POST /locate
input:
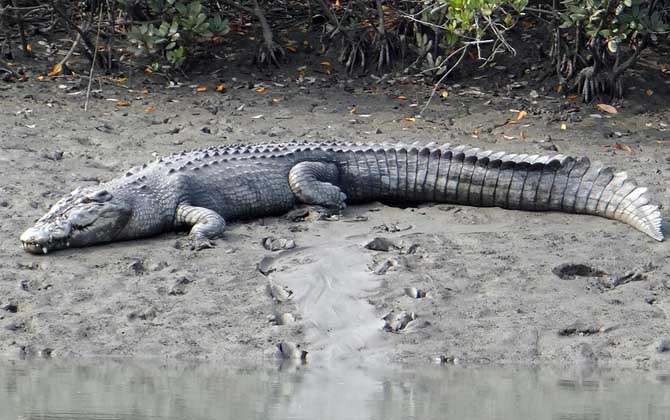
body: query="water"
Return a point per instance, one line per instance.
(128, 390)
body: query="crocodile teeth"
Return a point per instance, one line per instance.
(45, 250)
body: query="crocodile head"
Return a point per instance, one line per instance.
(84, 217)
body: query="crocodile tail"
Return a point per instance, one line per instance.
(474, 177)
(567, 184)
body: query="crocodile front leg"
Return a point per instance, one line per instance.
(314, 183)
(205, 225)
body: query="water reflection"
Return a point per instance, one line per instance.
(149, 390)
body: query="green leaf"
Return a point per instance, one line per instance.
(612, 45)
(181, 9)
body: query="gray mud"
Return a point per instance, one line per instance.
(492, 296)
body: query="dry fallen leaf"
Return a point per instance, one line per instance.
(40, 77)
(276, 100)
(145, 91)
(220, 88)
(353, 109)
(260, 89)
(150, 108)
(522, 135)
(148, 70)
(521, 115)
(291, 49)
(201, 88)
(572, 97)
(29, 48)
(559, 88)
(409, 119)
(326, 63)
(58, 68)
(649, 92)
(607, 108)
(401, 97)
(564, 127)
(444, 93)
(120, 80)
(627, 148)
(122, 103)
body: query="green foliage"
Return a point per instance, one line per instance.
(183, 28)
(446, 25)
(613, 22)
(470, 18)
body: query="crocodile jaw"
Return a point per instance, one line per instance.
(84, 217)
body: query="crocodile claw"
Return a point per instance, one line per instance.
(198, 244)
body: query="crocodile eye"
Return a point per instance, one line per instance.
(99, 196)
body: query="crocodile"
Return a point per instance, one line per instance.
(202, 189)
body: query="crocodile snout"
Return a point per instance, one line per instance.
(40, 239)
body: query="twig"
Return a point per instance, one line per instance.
(111, 9)
(439, 82)
(87, 42)
(22, 28)
(95, 54)
(72, 48)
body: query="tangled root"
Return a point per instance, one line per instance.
(591, 83)
(269, 53)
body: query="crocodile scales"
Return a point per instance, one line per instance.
(202, 189)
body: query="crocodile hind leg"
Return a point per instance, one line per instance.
(314, 183)
(205, 225)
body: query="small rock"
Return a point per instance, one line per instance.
(45, 352)
(381, 244)
(445, 359)
(15, 326)
(415, 293)
(144, 315)
(393, 228)
(412, 249)
(10, 307)
(286, 318)
(288, 350)
(136, 267)
(277, 244)
(278, 293)
(663, 345)
(56, 155)
(396, 322)
(179, 287)
(385, 266)
(569, 271)
(650, 300)
(579, 328)
(4, 203)
(265, 265)
(24, 285)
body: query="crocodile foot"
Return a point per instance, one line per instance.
(200, 243)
